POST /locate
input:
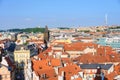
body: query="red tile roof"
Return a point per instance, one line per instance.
(78, 79)
(53, 78)
(69, 71)
(79, 46)
(43, 67)
(111, 76)
(55, 62)
(117, 69)
(90, 58)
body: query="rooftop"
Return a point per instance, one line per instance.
(95, 66)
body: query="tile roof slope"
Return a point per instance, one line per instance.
(79, 46)
(90, 58)
(40, 64)
(117, 69)
(70, 70)
(55, 62)
(111, 76)
(66, 60)
(53, 78)
(44, 54)
(104, 50)
(42, 67)
(78, 79)
(50, 72)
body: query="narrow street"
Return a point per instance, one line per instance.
(19, 74)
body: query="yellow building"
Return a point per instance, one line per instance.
(21, 54)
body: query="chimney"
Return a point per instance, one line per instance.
(56, 70)
(105, 63)
(54, 56)
(61, 77)
(62, 73)
(98, 46)
(43, 76)
(93, 53)
(49, 63)
(65, 64)
(39, 58)
(22, 48)
(36, 57)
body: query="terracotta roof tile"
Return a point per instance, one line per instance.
(111, 76)
(90, 58)
(117, 69)
(69, 70)
(43, 67)
(78, 79)
(55, 62)
(53, 78)
(79, 46)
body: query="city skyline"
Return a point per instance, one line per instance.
(54, 13)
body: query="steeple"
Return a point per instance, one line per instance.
(46, 34)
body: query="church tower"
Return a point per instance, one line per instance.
(46, 36)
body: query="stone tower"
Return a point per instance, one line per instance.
(46, 34)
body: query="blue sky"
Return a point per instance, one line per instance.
(58, 13)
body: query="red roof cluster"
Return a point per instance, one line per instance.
(46, 64)
(90, 58)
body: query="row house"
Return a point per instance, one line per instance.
(91, 71)
(7, 69)
(78, 48)
(73, 50)
(21, 55)
(54, 69)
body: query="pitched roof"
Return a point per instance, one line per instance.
(117, 68)
(79, 46)
(111, 76)
(69, 70)
(42, 67)
(90, 58)
(55, 62)
(95, 66)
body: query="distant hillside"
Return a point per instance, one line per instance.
(63, 28)
(35, 30)
(1, 30)
(117, 27)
